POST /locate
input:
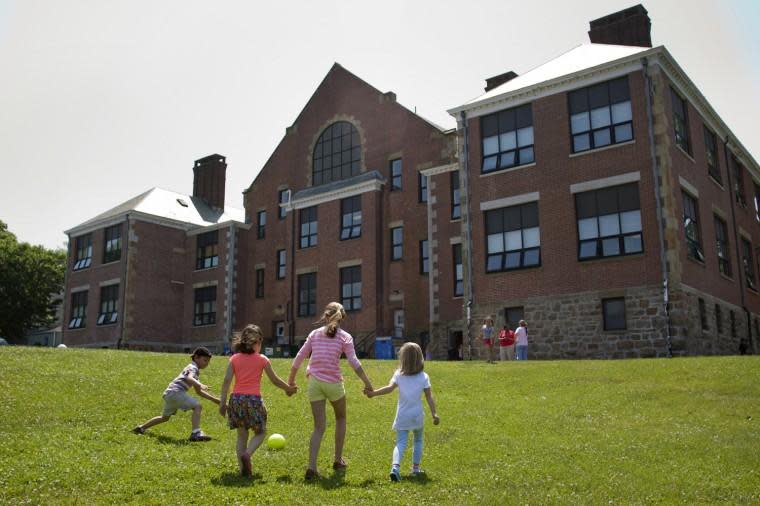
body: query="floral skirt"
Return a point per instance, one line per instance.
(247, 411)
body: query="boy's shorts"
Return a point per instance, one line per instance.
(318, 390)
(178, 400)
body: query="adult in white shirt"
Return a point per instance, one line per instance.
(521, 336)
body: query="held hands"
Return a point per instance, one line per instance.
(369, 392)
(290, 390)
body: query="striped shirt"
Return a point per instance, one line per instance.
(325, 352)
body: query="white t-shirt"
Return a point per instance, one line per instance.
(521, 334)
(409, 412)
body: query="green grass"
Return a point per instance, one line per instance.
(581, 432)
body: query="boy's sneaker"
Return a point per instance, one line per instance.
(394, 475)
(138, 430)
(418, 473)
(199, 436)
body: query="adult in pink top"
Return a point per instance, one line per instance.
(325, 381)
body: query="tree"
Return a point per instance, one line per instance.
(31, 277)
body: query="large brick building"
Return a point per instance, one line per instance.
(598, 196)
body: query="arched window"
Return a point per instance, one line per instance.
(337, 154)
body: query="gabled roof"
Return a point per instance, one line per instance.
(166, 205)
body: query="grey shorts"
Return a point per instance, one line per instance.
(178, 400)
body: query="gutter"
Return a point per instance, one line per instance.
(464, 189)
(231, 258)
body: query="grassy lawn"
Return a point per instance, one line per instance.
(568, 432)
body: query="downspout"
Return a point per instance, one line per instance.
(290, 305)
(66, 299)
(231, 257)
(656, 175)
(125, 272)
(464, 184)
(737, 242)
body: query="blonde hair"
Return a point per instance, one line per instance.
(331, 317)
(245, 341)
(410, 359)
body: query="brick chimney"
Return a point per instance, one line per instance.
(629, 27)
(493, 82)
(209, 177)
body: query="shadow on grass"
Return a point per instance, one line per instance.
(420, 479)
(168, 440)
(235, 480)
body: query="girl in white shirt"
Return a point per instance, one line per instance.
(410, 416)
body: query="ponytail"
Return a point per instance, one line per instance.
(331, 318)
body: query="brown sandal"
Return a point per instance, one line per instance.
(312, 475)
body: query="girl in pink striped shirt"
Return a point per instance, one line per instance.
(325, 381)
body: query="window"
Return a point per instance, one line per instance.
(721, 238)
(732, 318)
(283, 197)
(207, 255)
(600, 115)
(691, 227)
(680, 121)
(757, 202)
(78, 310)
(749, 269)
(307, 294)
(718, 319)
(337, 154)
(614, 313)
(609, 222)
(424, 257)
(738, 172)
(703, 314)
(396, 174)
(205, 306)
(422, 184)
(456, 201)
(351, 217)
(351, 288)
(397, 243)
(261, 223)
(109, 302)
(512, 238)
(711, 154)
(112, 244)
(259, 283)
(84, 252)
(507, 138)
(308, 227)
(281, 269)
(458, 272)
(513, 315)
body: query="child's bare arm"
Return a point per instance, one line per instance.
(431, 405)
(208, 396)
(363, 376)
(225, 389)
(390, 387)
(277, 381)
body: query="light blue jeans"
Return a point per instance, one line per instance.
(522, 352)
(402, 437)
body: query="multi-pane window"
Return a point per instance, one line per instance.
(84, 252)
(680, 121)
(691, 227)
(205, 306)
(351, 288)
(307, 294)
(749, 266)
(78, 310)
(458, 271)
(337, 154)
(718, 319)
(609, 222)
(261, 224)
(600, 115)
(397, 243)
(281, 268)
(613, 311)
(721, 238)
(283, 197)
(395, 174)
(703, 314)
(112, 244)
(259, 283)
(207, 251)
(507, 138)
(424, 257)
(738, 173)
(351, 217)
(109, 305)
(456, 197)
(513, 238)
(711, 154)
(422, 183)
(308, 220)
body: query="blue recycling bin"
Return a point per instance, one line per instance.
(383, 348)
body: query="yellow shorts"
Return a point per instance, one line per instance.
(320, 390)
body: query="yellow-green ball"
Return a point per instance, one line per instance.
(276, 442)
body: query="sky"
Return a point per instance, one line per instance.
(102, 100)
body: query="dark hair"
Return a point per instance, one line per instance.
(245, 341)
(201, 351)
(331, 317)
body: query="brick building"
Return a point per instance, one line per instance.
(598, 196)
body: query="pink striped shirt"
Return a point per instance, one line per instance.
(325, 351)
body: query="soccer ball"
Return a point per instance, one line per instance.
(276, 442)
